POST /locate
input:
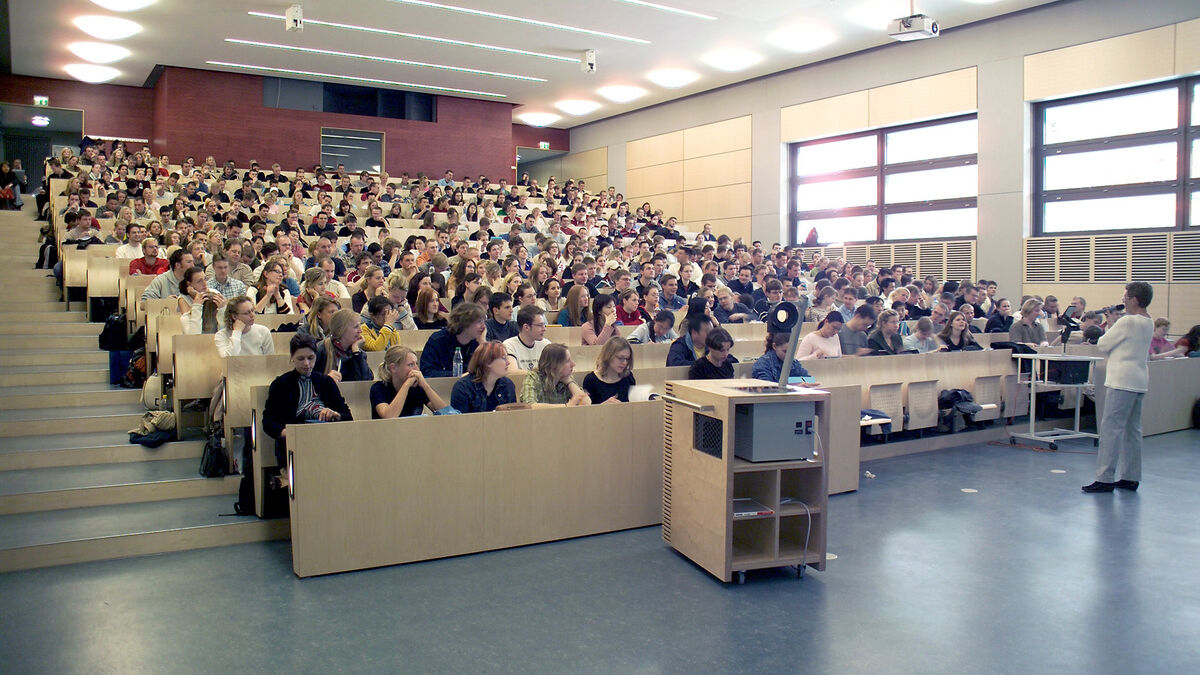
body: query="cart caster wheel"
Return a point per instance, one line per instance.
(1054, 446)
(739, 578)
(800, 571)
(1095, 442)
(1012, 441)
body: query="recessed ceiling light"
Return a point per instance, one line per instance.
(731, 59)
(352, 78)
(123, 5)
(577, 107)
(876, 14)
(106, 27)
(383, 59)
(621, 93)
(673, 10)
(98, 52)
(672, 78)
(308, 21)
(803, 37)
(40, 121)
(536, 119)
(520, 19)
(90, 72)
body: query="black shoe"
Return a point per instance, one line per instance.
(1099, 487)
(1126, 485)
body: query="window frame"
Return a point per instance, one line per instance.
(1182, 185)
(880, 209)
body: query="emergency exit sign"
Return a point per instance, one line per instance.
(41, 101)
(544, 145)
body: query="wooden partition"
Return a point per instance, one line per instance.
(469, 483)
(104, 276)
(1167, 406)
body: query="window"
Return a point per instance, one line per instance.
(347, 99)
(1123, 160)
(918, 181)
(358, 150)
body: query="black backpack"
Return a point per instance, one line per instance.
(135, 375)
(1196, 414)
(214, 463)
(113, 337)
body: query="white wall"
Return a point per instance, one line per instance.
(997, 48)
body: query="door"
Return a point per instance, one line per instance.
(32, 151)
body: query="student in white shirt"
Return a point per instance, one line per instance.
(1127, 343)
(132, 249)
(525, 348)
(240, 335)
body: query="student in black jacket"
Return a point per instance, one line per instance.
(464, 329)
(717, 362)
(300, 396)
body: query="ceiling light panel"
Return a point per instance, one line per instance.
(90, 72)
(123, 5)
(40, 121)
(673, 10)
(802, 37)
(731, 59)
(621, 93)
(428, 38)
(519, 19)
(383, 59)
(577, 107)
(672, 78)
(536, 119)
(98, 52)
(351, 78)
(106, 27)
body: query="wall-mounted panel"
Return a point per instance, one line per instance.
(727, 168)
(1103, 64)
(734, 227)
(588, 163)
(941, 95)
(657, 179)
(654, 150)
(1187, 47)
(728, 201)
(716, 138)
(671, 203)
(825, 117)
(595, 184)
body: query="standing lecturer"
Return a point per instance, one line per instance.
(1127, 343)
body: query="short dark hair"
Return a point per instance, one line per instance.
(377, 304)
(1141, 291)
(695, 321)
(498, 299)
(177, 257)
(865, 311)
(301, 341)
(717, 338)
(527, 314)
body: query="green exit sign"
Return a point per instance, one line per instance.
(41, 101)
(544, 145)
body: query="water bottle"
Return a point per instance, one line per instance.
(458, 363)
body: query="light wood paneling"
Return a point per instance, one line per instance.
(734, 227)
(1187, 47)
(825, 117)
(655, 180)
(727, 168)
(728, 201)
(670, 203)
(941, 95)
(1103, 64)
(717, 138)
(589, 163)
(654, 150)
(595, 183)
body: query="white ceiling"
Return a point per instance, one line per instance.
(190, 33)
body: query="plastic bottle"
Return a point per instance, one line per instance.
(458, 363)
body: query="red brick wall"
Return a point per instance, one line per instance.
(109, 110)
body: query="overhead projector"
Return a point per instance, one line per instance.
(915, 27)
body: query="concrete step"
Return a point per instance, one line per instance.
(66, 395)
(19, 376)
(48, 538)
(51, 489)
(63, 342)
(49, 328)
(76, 315)
(37, 306)
(121, 417)
(49, 357)
(75, 449)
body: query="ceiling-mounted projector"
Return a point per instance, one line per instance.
(915, 27)
(293, 19)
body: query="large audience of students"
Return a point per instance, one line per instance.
(231, 244)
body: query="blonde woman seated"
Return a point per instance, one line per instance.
(603, 324)
(240, 336)
(402, 391)
(341, 355)
(378, 334)
(370, 286)
(312, 287)
(316, 321)
(613, 376)
(885, 339)
(551, 383)
(200, 309)
(1029, 330)
(270, 295)
(822, 343)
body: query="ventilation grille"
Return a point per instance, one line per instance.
(835, 252)
(856, 255)
(1185, 257)
(881, 254)
(668, 460)
(931, 260)
(1149, 257)
(1075, 259)
(1040, 260)
(945, 260)
(960, 260)
(1110, 258)
(905, 254)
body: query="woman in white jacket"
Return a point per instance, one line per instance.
(1127, 377)
(240, 335)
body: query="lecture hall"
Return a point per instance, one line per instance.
(609, 336)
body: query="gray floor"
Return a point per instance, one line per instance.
(1027, 575)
